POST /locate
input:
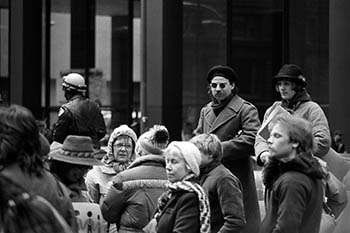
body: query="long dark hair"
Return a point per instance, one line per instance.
(19, 139)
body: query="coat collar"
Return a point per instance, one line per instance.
(225, 115)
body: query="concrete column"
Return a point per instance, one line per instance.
(122, 89)
(26, 54)
(83, 37)
(163, 64)
(339, 67)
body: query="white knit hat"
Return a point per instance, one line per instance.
(190, 153)
(154, 141)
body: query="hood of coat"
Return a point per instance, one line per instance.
(148, 159)
(303, 163)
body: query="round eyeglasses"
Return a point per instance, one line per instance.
(221, 85)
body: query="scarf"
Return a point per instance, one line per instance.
(204, 171)
(219, 106)
(299, 97)
(109, 161)
(189, 186)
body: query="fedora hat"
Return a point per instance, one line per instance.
(75, 150)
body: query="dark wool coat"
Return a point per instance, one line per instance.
(47, 186)
(180, 214)
(236, 126)
(132, 199)
(294, 196)
(224, 191)
(80, 116)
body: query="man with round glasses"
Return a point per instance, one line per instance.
(235, 121)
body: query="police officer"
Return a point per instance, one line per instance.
(79, 116)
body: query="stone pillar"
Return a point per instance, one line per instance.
(26, 54)
(83, 36)
(163, 64)
(339, 63)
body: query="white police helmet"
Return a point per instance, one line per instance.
(74, 81)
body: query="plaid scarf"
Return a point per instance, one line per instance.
(189, 186)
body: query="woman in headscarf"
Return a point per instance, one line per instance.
(184, 207)
(132, 200)
(120, 154)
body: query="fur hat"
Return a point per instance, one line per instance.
(154, 141)
(224, 71)
(291, 72)
(190, 153)
(75, 149)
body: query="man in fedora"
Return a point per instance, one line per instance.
(71, 161)
(235, 121)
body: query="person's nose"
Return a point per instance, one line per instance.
(269, 140)
(218, 88)
(282, 86)
(168, 167)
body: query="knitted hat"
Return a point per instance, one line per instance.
(122, 130)
(190, 153)
(291, 72)
(224, 71)
(76, 150)
(154, 141)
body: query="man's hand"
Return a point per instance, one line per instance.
(264, 157)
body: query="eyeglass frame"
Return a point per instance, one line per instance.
(121, 145)
(221, 85)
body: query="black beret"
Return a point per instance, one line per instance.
(224, 71)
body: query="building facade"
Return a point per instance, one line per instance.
(145, 61)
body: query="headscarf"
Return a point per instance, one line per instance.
(109, 160)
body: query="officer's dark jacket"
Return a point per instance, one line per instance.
(80, 116)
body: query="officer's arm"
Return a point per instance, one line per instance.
(101, 127)
(61, 128)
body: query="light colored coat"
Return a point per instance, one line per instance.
(312, 112)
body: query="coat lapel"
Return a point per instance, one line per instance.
(225, 115)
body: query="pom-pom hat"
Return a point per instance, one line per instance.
(154, 141)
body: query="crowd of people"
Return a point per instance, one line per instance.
(154, 185)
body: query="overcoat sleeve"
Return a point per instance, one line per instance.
(113, 205)
(242, 144)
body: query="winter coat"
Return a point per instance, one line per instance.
(180, 214)
(310, 111)
(80, 116)
(47, 186)
(132, 199)
(294, 196)
(236, 126)
(224, 191)
(97, 182)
